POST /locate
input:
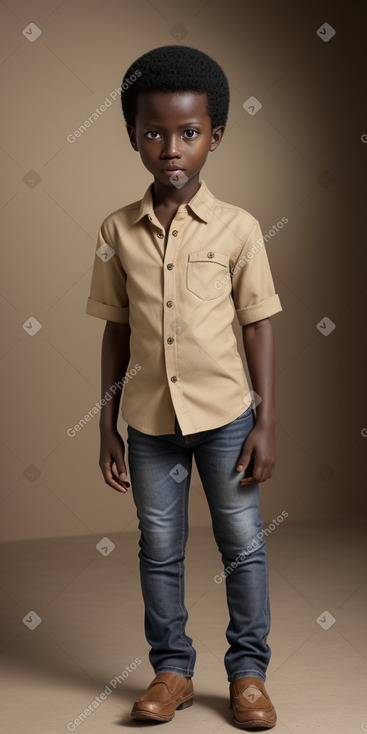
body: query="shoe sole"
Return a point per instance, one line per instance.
(254, 724)
(140, 715)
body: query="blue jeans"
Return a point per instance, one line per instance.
(160, 472)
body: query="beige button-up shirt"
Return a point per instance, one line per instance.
(180, 294)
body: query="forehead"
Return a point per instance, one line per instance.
(162, 105)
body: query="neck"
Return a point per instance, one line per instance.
(170, 197)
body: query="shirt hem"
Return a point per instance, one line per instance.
(151, 432)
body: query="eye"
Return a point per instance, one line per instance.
(152, 133)
(191, 133)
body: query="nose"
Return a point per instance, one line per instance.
(171, 148)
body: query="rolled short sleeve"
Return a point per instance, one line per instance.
(253, 289)
(108, 297)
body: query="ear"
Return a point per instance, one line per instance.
(217, 134)
(131, 133)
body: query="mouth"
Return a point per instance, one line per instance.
(172, 171)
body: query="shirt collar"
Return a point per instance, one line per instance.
(201, 203)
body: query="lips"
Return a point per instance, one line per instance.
(173, 171)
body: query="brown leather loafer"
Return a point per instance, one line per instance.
(251, 704)
(166, 693)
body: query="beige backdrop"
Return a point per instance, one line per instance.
(301, 156)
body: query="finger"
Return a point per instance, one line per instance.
(260, 474)
(119, 472)
(243, 461)
(112, 480)
(256, 475)
(266, 471)
(248, 480)
(115, 485)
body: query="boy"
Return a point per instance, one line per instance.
(171, 271)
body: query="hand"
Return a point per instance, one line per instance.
(111, 460)
(260, 442)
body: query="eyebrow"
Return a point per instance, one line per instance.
(184, 126)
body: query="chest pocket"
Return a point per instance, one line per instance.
(208, 274)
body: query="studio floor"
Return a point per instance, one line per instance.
(72, 633)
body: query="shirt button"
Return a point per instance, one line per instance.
(170, 340)
(169, 304)
(174, 378)
(170, 266)
(175, 233)
(210, 254)
(160, 235)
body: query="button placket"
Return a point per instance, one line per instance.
(170, 310)
(157, 233)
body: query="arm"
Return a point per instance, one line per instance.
(259, 348)
(115, 359)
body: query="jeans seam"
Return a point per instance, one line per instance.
(181, 566)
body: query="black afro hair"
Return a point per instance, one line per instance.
(176, 69)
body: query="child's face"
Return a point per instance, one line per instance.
(173, 131)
